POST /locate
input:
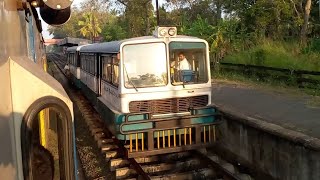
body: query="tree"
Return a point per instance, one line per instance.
(139, 17)
(113, 29)
(90, 26)
(306, 15)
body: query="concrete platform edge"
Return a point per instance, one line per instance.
(277, 130)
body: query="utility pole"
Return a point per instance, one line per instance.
(158, 18)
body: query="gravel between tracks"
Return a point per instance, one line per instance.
(92, 161)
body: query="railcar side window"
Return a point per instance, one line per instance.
(73, 59)
(91, 64)
(88, 63)
(188, 63)
(145, 65)
(83, 62)
(106, 71)
(115, 71)
(110, 69)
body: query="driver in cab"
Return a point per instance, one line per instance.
(182, 64)
(177, 66)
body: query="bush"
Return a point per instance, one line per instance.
(285, 55)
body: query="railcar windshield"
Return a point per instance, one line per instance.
(188, 63)
(145, 65)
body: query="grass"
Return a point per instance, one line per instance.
(287, 55)
(269, 53)
(254, 80)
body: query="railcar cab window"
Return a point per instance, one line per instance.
(145, 65)
(110, 69)
(188, 63)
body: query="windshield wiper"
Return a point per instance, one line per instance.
(125, 69)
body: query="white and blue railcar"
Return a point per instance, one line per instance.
(145, 99)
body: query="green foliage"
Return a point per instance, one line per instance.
(277, 54)
(90, 26)
(259, 32)
(313, 46)
(113, 31)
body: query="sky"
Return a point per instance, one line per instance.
(45, 32)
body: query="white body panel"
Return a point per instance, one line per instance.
(75, 71)
(154, 94)
(27, 75)
(78, 73)
(111, 95)
(89, 80)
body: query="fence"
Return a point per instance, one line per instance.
(302, 78)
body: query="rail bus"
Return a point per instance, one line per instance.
(148, 99)
(73, 63)
(36, 114)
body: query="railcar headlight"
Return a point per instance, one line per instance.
(162, 32)
(165, 32)
(172, 31)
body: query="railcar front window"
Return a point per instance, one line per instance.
(188, 63)
(145, 65)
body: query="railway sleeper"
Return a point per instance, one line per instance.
(120, 162)
(158, 168)
(198, 174)
(108, 147)
(111, 154)
(102, 141)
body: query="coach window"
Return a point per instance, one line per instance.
(107, 71)
(115, 71)
(73, 59)
(83, 62)
(87, 63)
(91, 64)
(87, 67)
(69, 58)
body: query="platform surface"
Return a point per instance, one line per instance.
(288, 108)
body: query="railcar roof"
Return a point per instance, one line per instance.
(76, 48)
(71, 49)
(114, 46)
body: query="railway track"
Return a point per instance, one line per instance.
(198, 164)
